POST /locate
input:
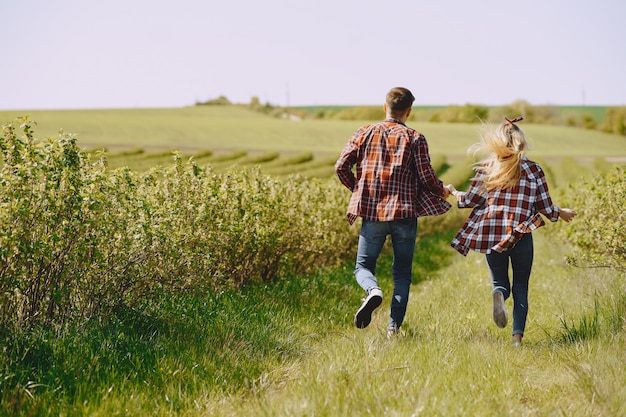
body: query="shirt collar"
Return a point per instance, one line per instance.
(391, 119)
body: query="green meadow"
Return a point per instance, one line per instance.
(228, 128)
(289, 347)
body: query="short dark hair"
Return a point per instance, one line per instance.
(399, 99)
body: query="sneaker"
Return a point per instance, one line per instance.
(363, 316)
(499, 309)
(392, 332)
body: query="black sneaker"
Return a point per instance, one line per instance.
(363, 316)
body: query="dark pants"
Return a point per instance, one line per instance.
(521, 257)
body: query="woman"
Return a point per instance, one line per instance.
(507, 195)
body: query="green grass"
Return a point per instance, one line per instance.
(185, 350)
(598, 112)
(451, 360)
(217, 128)
(293, 350)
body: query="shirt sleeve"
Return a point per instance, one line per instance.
(544, 202)
(426, 175)
(347, 159)
(473, 197)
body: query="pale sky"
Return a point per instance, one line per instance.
(68, 54)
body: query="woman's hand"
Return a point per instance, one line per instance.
(567, 214)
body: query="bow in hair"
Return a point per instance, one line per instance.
(517, 119)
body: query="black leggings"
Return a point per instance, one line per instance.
(521, 256)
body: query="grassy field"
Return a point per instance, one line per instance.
(292, 349)
(451, 360)
(226, 129)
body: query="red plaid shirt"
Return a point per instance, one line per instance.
(501, 217)
(394, 179)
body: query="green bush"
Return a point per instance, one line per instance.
(598, 232)
(78, 240)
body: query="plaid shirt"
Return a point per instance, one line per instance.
(394, 179)
(501, 217)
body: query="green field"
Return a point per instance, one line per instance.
(288, 347)
(224, 129)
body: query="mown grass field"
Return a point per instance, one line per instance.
(292, 349)
(219, 129)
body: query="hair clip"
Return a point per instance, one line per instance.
(517, 119)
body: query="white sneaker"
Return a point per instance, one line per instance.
(499, 309)
(363, 316)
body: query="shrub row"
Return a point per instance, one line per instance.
(78, 240)
(598, 232)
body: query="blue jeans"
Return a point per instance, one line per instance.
(521, 257)
(371, 240)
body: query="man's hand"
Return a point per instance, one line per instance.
(451, 190)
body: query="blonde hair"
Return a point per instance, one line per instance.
(506, 146)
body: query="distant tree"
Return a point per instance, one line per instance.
(615, 120)
(584, 120)
(469, 113)
(473, 113)
(530, 113)
(450, 114)
(255, 103)
(360, 113)
(517, 108)
(220, 101)
(589, 122)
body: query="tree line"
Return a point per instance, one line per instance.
(610, 120)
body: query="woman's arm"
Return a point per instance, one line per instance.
(470, 199)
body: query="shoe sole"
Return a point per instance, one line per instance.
(363, 317)
(499, 310)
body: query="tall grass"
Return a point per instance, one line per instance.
(292, 350)
(451, 360)
(175, 352)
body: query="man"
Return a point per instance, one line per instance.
(394, 185)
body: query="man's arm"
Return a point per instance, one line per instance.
(343, 166)
(426, 175)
